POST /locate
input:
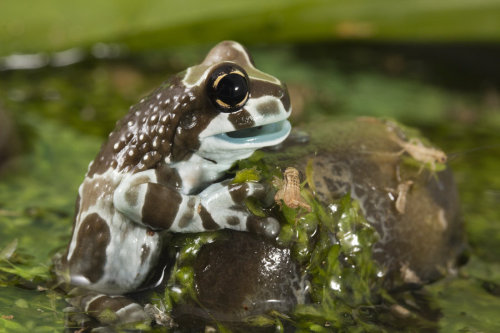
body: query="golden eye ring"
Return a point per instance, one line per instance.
(228, 87)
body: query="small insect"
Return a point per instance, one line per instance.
(402, 191)
(416, 149)
(413, 147)
(289, 190)
(408, 275)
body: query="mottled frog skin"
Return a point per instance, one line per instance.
(159, 170)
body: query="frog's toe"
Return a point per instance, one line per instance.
(266, 226)
(262, 192)
(241, 191)
(132, 313)
(269, 198)
(108, 309)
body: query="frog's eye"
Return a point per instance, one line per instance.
(228, 87)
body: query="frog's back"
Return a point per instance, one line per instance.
(140, 143)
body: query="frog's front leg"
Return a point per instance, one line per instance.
(219, 206)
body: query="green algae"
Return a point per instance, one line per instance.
(37, 204)
(180, 286)
(344, 278)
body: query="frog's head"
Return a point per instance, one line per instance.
(236, 108)
(219, 111)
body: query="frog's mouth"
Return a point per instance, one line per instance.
(264, 135)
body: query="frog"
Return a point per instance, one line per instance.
(163, 170)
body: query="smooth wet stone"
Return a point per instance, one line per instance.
(419, 241)
(241, 275)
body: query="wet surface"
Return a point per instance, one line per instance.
(241, 275)
(420, 229)
(418, 239)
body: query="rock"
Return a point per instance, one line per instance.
(419, 239)
(412, 205)
(242, 274)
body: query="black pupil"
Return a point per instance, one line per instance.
(232, 89)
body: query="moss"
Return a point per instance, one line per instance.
(343, 276)
(247, 175)
(332, 244)
(180, 286)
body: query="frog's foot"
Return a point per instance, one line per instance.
(266, 226)
(236, 215)
(109, 309)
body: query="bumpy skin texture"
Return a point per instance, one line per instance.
(158, 172)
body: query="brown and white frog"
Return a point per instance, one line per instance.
(160, 171)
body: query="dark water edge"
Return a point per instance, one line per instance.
(449, 91)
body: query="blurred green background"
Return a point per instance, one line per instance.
(70, 69)
(50, 25)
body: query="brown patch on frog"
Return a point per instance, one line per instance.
(226, 51)
(196, 115)
(124, 150)
(232, 220)
(64, 259)
(89, 256)
(239, 208)
(238, 192)
(207, 219)
(285, 99)
(168, 177)
(107, 156)
(269, 107)
(132, 195)
(241, 119)
(187, 217)
(94, 190)
(145, 250)
(261, 88)
(104, 302)
(255, 224)
(161, 205)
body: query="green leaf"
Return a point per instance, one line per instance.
(247, 175)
